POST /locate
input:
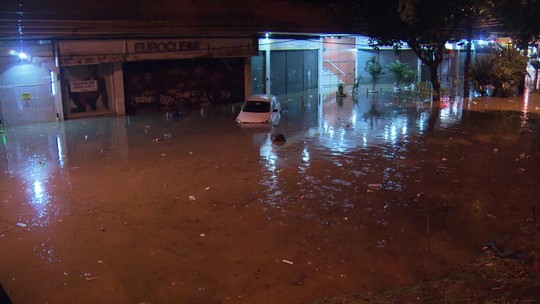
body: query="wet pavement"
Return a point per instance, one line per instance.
(362, 196)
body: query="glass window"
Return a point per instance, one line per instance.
(256, 106)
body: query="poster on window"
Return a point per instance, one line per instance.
(87, 89)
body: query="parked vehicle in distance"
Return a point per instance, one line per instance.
(260, 109)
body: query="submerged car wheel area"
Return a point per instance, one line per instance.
(260, 109)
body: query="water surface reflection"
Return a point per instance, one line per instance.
(195, 209)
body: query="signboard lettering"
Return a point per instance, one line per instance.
(83, 86)
(166, 46)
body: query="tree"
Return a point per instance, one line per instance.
(478, 11)
(521, 19)
(374, 68)
(401, 72)
(425, 25)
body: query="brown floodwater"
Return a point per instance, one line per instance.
(363, 196)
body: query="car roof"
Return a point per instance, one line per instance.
(261, 97)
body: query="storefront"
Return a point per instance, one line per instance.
(27, 83)
(183, 83)
(123, 76)
(70, 79)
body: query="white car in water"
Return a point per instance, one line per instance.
(260, 109)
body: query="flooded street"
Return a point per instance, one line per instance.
(362, 196)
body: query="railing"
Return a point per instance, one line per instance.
(334, 66)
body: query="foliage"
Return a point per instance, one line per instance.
(401, 72)
(504, 69)
(375, 69)
(341, 86)
(482, 72)
(424, 25)
(409, 76)
(521, 19)
(423, 90)
(356, 87)
(510, 70)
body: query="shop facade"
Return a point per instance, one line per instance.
(69, 79)
(28, 83)
(127, 76)
(85, 78)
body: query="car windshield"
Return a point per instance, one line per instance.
(256, 106)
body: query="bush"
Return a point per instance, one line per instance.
(504, 69)
(401, 72)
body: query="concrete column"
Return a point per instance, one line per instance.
(248, 80)
(266, 48)
(118, 89)
(57, 96)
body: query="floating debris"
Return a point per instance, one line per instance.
(175, 114)
(278, 137)
(375, 186)
(91, 278)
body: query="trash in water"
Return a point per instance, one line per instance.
(21, 224)
(287, 262)
(192, 198)
(175, 114)
(88, 276)
(278, 137)
(158, 139)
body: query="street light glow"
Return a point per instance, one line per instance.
(21, 55)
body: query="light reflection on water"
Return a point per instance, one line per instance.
(353, 140)
(346, 170)
(364, 133)
(33, 155)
